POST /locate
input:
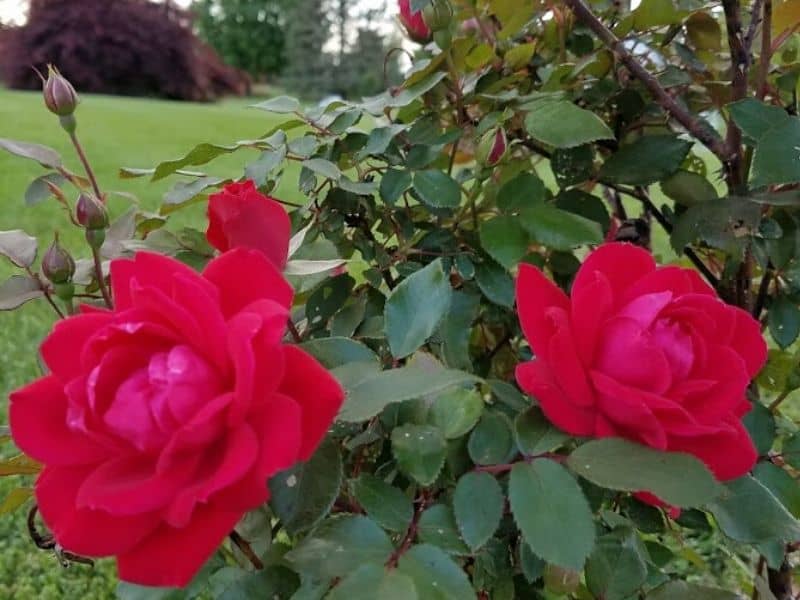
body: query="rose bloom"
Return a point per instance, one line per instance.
(414, 23)
(161, 421)
(241, 216)
(641, 352)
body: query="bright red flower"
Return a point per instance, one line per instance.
(241, 216)
(413, 22)
(161, 421)
(642, 352)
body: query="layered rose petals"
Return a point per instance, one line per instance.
(241, 217)
(642, 352)
(161, 421)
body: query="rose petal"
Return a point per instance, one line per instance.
(171, 557)
(729, 453)
(61, 350)
(316, 391)
(535, 294)
(566, 366)
(536, 379)
(591, 307)
(38, 417)
(621, 263)
(748, 341)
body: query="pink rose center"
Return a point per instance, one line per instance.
(153, 401)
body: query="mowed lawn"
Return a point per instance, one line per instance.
(116, 132)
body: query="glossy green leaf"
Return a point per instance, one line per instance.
(420, 451)
(559, 229)
(478, 504)
(333, 352)
(564, 125)
(437, 526)
(456, 412)
(385, 504)
(535, 434)
(552, 513)
(504, 239)
(435, 575)
(677, 478)
(784, 321)
(437, 189)
(646, 160)
(616, 568)
(371, 581)
(415, 308)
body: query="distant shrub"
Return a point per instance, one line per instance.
(125, 47)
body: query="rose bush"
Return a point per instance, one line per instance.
(644, 353)
(161, 421)
(536, 285)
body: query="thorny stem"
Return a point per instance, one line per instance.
(766, 50)
(777, 402)
(46, 293)
(701, 132)
(411, 533)
(246, 549)
(298, 339)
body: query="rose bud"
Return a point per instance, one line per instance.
(59, 95)
(90, 212)
(413, 23)
(57, 265)
(437, 15)
(492, 147)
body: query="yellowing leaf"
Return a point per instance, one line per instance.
(15, 499)
(704, 31)
(19, 465)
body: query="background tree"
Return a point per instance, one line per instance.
(248, 34)
(309, 69)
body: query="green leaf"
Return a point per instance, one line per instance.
(437, 189)
(456, 328)
(688, 188)
(14, 499)
(784, 321)
(495, 283)
(415, 308)
(552, 513)
(720, 223)
(420, 451)
(435, 575)
(279, 105)
(755, 118)
(535, 434)
(504, 239)
(526, 189)
(303, 495)
(384, 503)
(199, 155)
(791, 450)
(776, 157)
(760, 424)
(47, 157)
(748, 512)
(369, 395)
(565, 125)
(259, 169)
(491, 442)
(617, 464)
(339, 546)
(437, 526)
(655, 13)
(184, 192)
(393, 183)
(17, 290)
(379, 140)
(532, 566)
(18, 247)
(572, 165)
(673, 590)
(323, 167)
(478, 504)
(456, 412)
(370, 581)
(782, 485)
(559, 229)
(131, 591)
(333, 352)
(646, 160)
(616, 567)
(233, 583)
(38, 190)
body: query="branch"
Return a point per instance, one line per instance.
(246, 549)
(740, 61)
(755, 20)
(695, 127)
(766, 50)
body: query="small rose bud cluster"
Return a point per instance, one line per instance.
(59, 267)
(92, 215)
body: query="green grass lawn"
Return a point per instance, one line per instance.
(115, 132)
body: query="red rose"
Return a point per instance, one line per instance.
(414, 24)
(645, 353)
(161, 421)
(240, 216)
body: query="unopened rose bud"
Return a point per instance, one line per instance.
(437, 15)
(492, 147)
(59, 95)
(57, 265)
(413, 23)
(90, 213)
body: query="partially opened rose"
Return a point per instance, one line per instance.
(161, 421)
(241, 217)
(414, 23)
(644, 353)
